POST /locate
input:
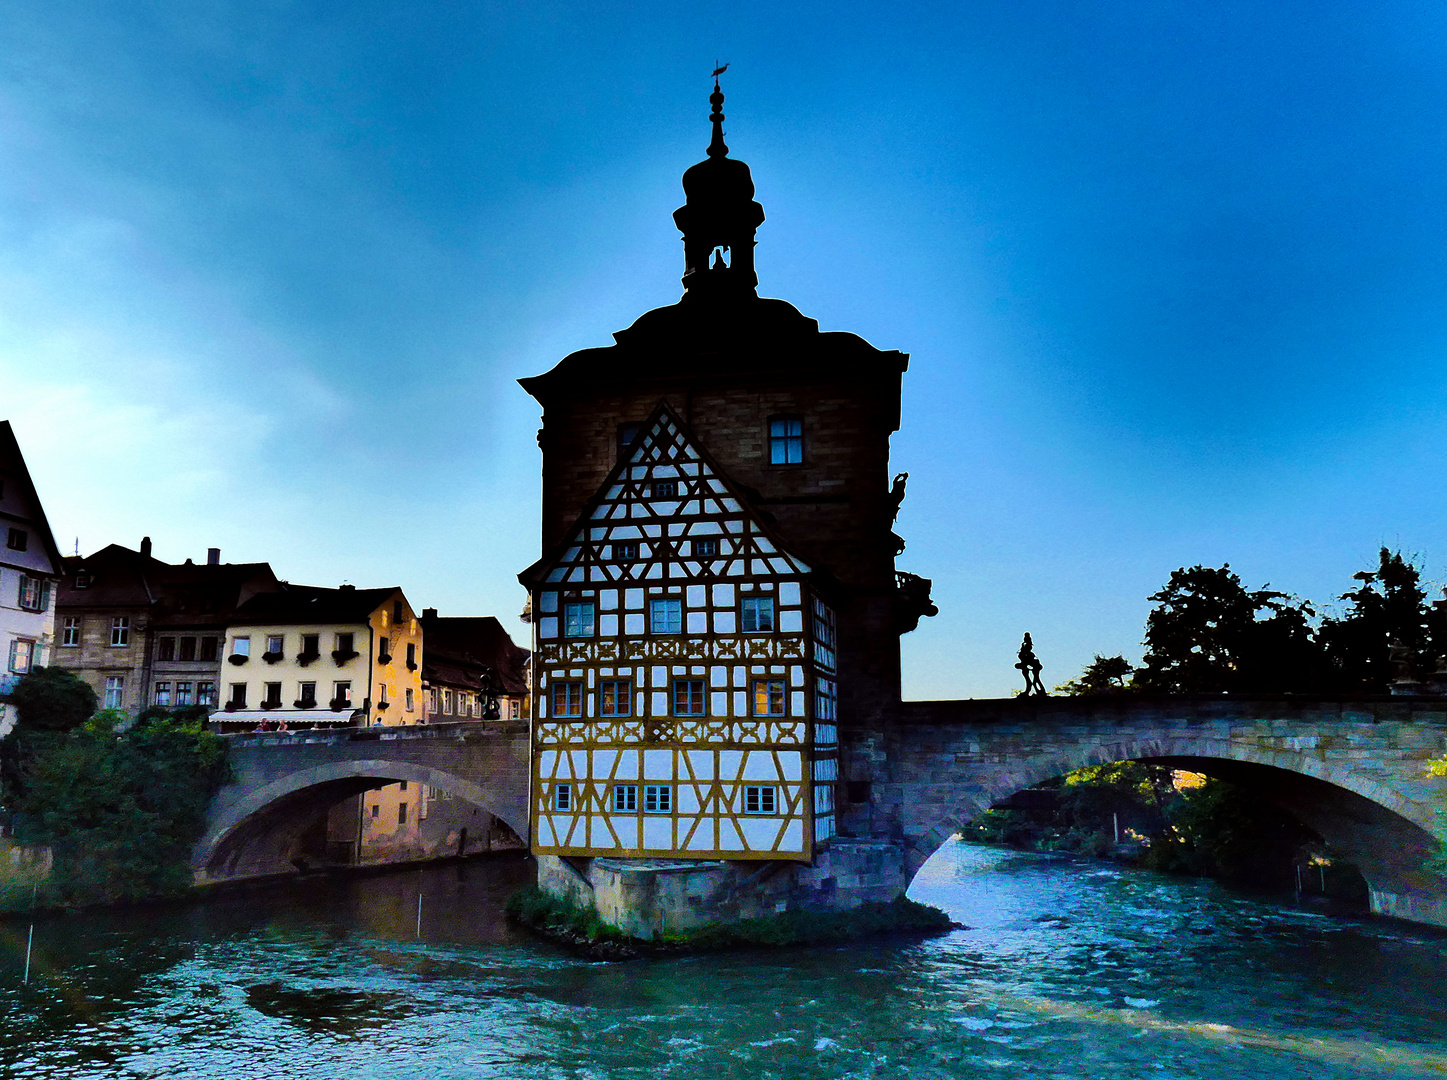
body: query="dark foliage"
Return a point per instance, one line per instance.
(1387, 607)
(120, 813)
(1209, 634)
(52, 699)
(1103, 675)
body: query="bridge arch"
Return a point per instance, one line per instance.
(253, 833)
(1357, 781)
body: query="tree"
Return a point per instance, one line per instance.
(1209, 634)
(52, 699)
(1103, 675)
(1388, 607)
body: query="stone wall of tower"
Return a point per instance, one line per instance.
(833, 510)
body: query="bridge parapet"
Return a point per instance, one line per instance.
(459, 731)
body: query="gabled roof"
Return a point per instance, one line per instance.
(629, 509)
(178, 594)
(12, 463)
(312, 604)
(455, 650)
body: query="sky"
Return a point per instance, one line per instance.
(1172, 277)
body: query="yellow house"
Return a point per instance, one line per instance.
(305, 658)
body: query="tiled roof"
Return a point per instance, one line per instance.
(312, 604)
(454, 650)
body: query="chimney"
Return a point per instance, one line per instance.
(429, 613)
(213, 556)
(346, 588)
(145, 547)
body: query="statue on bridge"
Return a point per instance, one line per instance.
(491, 687)
(1029, 666)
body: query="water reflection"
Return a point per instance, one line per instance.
(1071, 970)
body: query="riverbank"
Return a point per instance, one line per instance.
(581, 931)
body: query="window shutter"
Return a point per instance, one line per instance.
(45, 595)
(14, 654)
(20, 600)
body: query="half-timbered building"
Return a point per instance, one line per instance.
(686, 671)
(717, 612)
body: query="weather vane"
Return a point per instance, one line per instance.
(719, 71)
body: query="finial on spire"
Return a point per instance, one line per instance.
(717, 148)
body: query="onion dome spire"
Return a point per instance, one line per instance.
(719, 217)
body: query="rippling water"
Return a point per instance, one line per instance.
(1071, 970)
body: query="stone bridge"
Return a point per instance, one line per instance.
(1352, 770)
(284, 781)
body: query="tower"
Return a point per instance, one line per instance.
(717, 519)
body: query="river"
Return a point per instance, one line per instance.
(1071, 970)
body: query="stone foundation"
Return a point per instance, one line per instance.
(648, 897)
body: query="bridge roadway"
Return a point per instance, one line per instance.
(1351, 769)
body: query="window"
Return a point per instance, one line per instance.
(825, 700)
(115, 690)
(705, 549)
(310, 645)
(786, 440)
(206, 694)
(382, 694)
(657, 799)
(760, 800)
(163, 695)
(166, 648)
(626, 434)
(665, 489)
(275, 644)
(210, 648)
(665, 616)
(237, 700)
(183, 694)
(627, 551)
(241, 646)
(384, 649)
(615, 697)
(768, 697)
(273, 694)
(578, 619)
(22, 656)
(120, 631)
(410, 702)
(70, 630)
(688, 698)
(411, 656)
(402, 785)
(447, 701)
(186, 649)
(401, 813)
(342, 692)
(824, 639)
(82, 580)
(758, 614)
(376, 809)
(625, 797)
(344, 644)
(562, 796)
(308, 693)
(567, 699)
(34, 593)
(17, 540)
(516, 708)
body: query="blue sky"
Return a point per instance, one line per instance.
(1172, 277)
